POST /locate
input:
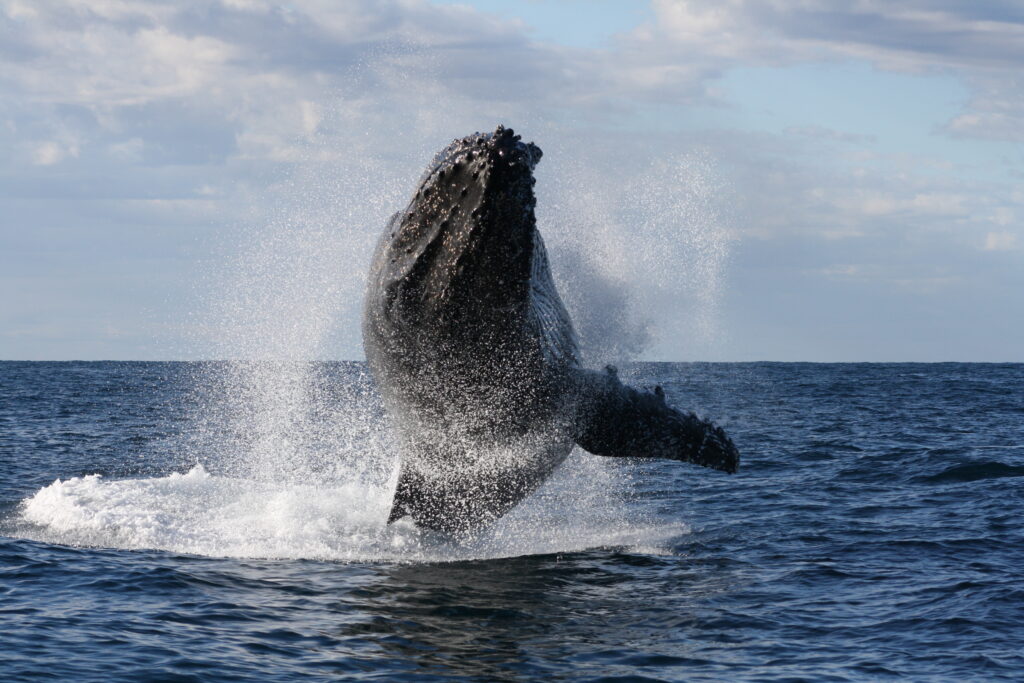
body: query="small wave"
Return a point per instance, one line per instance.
(973, 471)
(202, 514)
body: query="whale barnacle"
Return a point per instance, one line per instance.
(451, 328)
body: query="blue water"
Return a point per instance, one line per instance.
(236, 533)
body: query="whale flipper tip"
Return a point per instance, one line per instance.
(618, 421)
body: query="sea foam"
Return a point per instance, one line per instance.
(205, 514)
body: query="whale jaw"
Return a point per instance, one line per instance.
(461, 249)
(474, 353)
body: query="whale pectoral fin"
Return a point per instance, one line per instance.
(619, 421)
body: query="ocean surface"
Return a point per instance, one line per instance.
(224, 522)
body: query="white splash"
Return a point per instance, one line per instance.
(640, 258)
(199, 513)
(295, 459)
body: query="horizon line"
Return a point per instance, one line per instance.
(623, 362)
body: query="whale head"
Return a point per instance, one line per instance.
(461, 250)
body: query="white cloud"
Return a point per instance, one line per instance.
(1002, 216)
(843, 270)
(311, 116)
(47, 154)
(910, 35)
(160, 103)
(53, 151)
(20, 11)
(996, 108)
(1000, 241)
(983, 43)
(822, 133)
(130, 150)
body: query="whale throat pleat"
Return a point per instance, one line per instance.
(548, 315)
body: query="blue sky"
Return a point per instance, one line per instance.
(731, 180)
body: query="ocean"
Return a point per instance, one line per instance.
(225, 522)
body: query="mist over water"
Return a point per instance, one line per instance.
(292, 458)
(642, 256)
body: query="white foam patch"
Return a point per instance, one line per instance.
(199, 513)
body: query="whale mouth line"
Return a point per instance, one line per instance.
(467, 329)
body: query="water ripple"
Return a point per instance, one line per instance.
(869, 536)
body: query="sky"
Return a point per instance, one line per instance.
(723, 180)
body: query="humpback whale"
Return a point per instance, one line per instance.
(475, 356)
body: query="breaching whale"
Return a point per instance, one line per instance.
(475, 356)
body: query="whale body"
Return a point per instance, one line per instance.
(475, 356)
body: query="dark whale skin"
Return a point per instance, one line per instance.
(475, 356)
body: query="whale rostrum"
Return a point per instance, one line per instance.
(475, 355)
